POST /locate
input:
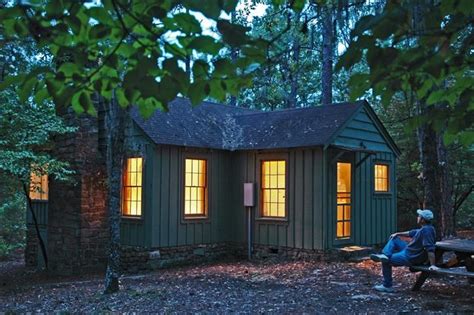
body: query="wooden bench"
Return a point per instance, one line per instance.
(461, 264)
(425, 273)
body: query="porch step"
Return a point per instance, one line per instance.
(355, 253)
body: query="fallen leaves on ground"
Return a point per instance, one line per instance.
(236, 286)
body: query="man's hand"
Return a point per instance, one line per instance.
(433, 268)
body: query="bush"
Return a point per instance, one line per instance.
(12, 224)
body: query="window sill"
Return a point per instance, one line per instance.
(275, 220)
(196, 218)
(132, 218)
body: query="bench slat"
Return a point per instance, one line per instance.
(461, 271)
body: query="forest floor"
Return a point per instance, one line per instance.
(247, 287)
(236, 286)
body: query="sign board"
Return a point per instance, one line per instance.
(249, 198)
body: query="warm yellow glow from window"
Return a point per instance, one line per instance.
(274, 188)
(132, 187)
(343, 215)
(38, 187)
(381, 177)
(195, 187)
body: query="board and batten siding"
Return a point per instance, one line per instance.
(373, 213)
(164, 214)
(303, 226)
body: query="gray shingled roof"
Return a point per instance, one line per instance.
(218, 126)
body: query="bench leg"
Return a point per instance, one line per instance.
(470, 267)
(420, 280)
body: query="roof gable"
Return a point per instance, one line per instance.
(365, 131)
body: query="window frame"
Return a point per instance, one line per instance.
(349, 237)
(268, 158)
(389, 186)
(195, 217)
(122, 191)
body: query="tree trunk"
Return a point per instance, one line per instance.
(327, 54)
(294, 72)
(427, 145)
(233, 56)
(446, 187)
(115, 127)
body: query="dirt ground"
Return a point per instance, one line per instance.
(243, 287)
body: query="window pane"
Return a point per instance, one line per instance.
(273, 188)
(195, 187)
(340, 232)
(344, 177)
(347, 212)
(281, 196)
(132, 187)
(340, 213)
(281, 167)
(381, 177)
(281, 181)
(347, 229)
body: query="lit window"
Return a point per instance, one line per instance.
(132, 187)
(381, 177)
(195, 188)
(38, 187)
(273, 188)
(343, 217)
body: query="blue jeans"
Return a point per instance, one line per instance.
(395, 250)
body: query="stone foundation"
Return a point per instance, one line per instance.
(135, 259)
(265, 252)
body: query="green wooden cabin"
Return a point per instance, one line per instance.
(324, 177)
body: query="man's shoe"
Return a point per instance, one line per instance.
(382, 288)
(379, 257)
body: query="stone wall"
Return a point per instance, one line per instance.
(77, 218)
(31, 247)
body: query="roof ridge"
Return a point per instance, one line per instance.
(284, 110)
(215, 104)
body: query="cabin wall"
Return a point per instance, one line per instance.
(303, 228)
(168, 227)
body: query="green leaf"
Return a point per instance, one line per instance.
(99, 31)
(217, 90)
(76, 104)
(167, 89)
(205, 44)
(200, 69)
(233, 34)
(209, 8)
(197, 92)
(224, 67)
(187, 23)
(121, 98)
(68, 69)
(435, 97)
(101, 15)
(148, 106)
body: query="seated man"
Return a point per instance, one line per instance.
(400, 253)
